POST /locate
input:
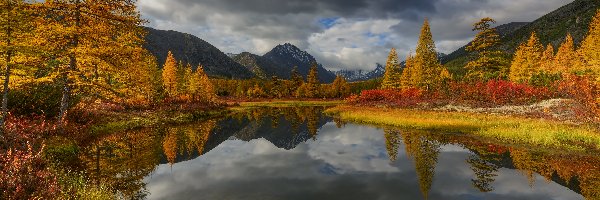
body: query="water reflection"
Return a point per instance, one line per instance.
(298, 153)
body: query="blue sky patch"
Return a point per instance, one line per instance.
(328, 22)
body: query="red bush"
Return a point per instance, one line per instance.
(24, 173)
(480, 94)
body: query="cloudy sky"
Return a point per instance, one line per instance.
(350, 34)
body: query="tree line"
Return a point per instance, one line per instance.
(532, 63)
(295, 87)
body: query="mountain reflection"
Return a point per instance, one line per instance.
(299, 153)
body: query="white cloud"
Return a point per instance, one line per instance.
(257, 26)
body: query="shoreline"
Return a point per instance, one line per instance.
(503, 128)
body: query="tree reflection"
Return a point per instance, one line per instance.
(485, 173)
(424, 153)
(392, 142)
(186, 140)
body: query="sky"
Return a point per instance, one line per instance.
(340, 34)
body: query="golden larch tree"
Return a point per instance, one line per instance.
(391, 78)
(406, 77)
(589, 52)
(526, 60)
(313, 86)
(566, 57)
(169, 75)
(206, 92)
(547, 61)
(17, 23)
(427, 67)
(92, 41)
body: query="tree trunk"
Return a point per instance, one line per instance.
(7, 73)
(66, 93)
(5, 92)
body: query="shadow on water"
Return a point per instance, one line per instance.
(299, 153)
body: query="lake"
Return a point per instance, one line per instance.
(300, 153)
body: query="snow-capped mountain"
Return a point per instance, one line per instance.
(362, 75)
(288, 56)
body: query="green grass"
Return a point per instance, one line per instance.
(506, 129)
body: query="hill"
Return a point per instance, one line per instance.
(573, 18)
(193, 50)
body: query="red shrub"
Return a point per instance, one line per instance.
(492, 93)
(24, 173)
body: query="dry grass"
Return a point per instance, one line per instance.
(507, 129)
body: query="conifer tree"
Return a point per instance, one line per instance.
(566, 57)
(391, 78)
(339, 87)
(17, 22)
(205, 91)
(90, 39)
(589, 52)
(427, 67)
(406, 78)
(527, 60)
(313, 85)
(487, 62)
(296, 79)
(169, 75)
(547, 60)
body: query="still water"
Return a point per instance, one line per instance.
(299, 153)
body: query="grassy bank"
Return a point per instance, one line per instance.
(131, 120)
(506, 129)
(287, 103)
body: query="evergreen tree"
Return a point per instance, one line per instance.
(169, 75)
(526, 60)
(391, 78)
(565, 58)
(313, 85)
(427, 67)
(487, 62)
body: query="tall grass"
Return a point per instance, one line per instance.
(505, 129)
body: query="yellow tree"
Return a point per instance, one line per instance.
(565, 58)
(427, 67)
(526, 60)
(16, 32)
(391, 78)
(206, 91)
(313, 85)
(487, 63)
(91, 41)
(339, 88)
(589, 53)
(547, 60)
(406, 78)
(169, 75)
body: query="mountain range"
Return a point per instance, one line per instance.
(573, 18)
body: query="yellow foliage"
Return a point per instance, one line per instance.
(565, 58)
(391, 78)
(169, 75)
(526, 60)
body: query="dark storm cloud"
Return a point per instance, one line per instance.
(316, 25)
